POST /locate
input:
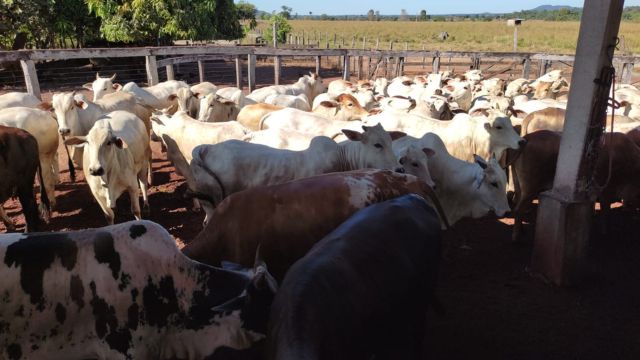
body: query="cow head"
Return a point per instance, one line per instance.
(489, 188)
(314, 85)
(102, 86)
(374, 150)
(502, 135)
(349, 108)
(66, 107)
(380, 86)
(415, 161)
(215, 108)
(187, 101)
(100, 146)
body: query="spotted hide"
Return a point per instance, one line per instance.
(121, 292)
(291, 217)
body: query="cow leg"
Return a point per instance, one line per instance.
(105, 205)
(56, 168)
(29, 207)
(6, 220)
(135, 201)
(144, 187)
(523, 205)
(49, 178)
(605, 213)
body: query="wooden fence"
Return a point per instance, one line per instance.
(172, 55)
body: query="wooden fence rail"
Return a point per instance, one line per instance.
(183, 54)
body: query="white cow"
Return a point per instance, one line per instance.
(116, 159)
(465, 189)
(310, 85)
(236, 95)
(305, 122)
(464, 135)
(299, 101)
(102, 86)
(215, 108)
(157, 96)
(414, 161)
(16, 99)
(43, 127)
(181, 134)
(123, 292)
(223, 169)
(280, 139)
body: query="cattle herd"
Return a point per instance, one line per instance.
(347, 187)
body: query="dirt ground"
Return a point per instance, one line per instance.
(494, 308)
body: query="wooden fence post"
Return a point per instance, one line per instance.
(435, 65)
(201, 70)
(544, 66)
(345, 72)
(238, 72)
(31, 77)
(277, 60)
(251, 72)
(152, 70)
(625, 78)
(359, 67)
(170, 74)
(526, 68)
(318, 65)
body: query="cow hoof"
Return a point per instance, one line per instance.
(146, 210)
(10, 227)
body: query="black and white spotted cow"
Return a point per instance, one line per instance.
(122, 292)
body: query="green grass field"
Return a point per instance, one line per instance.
(533, 36)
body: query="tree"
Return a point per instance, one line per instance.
(423, 15)
(247, 14)
(161, 21)
(286, 12)
(371, 15)
(282, 28)
(377, 15)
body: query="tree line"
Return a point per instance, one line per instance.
(82, 23)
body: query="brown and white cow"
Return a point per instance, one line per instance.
(345, 108)
(19, 162)
(231, 166)
(250, 115)
(552, 119)
(116, 159)
(123, 292)
(293, 216)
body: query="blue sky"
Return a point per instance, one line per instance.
(386, 7)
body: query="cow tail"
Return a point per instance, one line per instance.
(436, 202)
(262, 120)
(45, 205)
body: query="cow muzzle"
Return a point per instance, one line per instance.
(96, 171)
(400, 170)
(522, 142)
(64, 131)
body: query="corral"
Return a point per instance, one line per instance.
(494, 307)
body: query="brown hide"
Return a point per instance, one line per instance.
(19, 162)
(287, 219)
(534, 171)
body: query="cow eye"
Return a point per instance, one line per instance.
(401, 161)
(109, 142)
(415, 164)
(379, 146)
(494, 184)
(105, 89)
(349, 104)
(499, 127)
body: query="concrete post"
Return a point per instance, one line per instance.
(564, 214)
(31, 77)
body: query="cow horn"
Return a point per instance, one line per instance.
(113, 77)
(97, 75)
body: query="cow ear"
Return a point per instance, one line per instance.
(46, 106)
(328, 104)
(395, 135)
(428, 152)
(352, 135)
(450, 88)
(88, 86)
(480, 112)
(121, 144)
(116, 87)
(81, 104)
(77, 141)
(156, 119)
(480, 161)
